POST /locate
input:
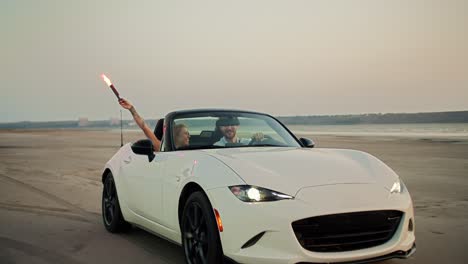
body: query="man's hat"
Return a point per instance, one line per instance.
(227, 121)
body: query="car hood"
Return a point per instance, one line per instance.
(287, 170)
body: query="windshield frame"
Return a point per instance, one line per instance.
(171, 117)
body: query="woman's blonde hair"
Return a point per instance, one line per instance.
(177, 133)
(178, 128)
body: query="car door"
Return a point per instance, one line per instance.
(144, 184)
(178, 167)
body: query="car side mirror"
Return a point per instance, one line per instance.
(144, 147)
(307, 143)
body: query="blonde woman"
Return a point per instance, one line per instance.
(181, 134)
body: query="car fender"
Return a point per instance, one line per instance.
(114, 166)
(193, 167)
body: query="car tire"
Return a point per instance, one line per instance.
(111, 213)
(200, 235)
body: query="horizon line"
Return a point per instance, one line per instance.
(309, 115)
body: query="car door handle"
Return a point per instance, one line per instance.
(128, 159)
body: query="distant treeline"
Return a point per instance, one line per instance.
(391, 118)
(400, 118)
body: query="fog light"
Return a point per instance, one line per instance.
(410, 225)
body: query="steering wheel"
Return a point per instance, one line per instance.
(265, 138)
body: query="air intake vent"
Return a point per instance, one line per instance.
(253, 240)
(345, 232)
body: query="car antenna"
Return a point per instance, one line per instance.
(121, 130)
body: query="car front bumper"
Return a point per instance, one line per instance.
(243, 221)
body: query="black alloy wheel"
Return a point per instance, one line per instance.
(111, 213)
(200, 235)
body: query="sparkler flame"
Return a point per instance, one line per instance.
(105, 79)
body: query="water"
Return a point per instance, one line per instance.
(432, 130)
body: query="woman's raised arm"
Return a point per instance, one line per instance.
(141, 123)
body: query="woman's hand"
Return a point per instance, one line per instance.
(141, 123)
(125, 103)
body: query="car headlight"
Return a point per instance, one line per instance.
(397, 186)
(248, 193)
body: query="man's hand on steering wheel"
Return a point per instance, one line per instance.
(264, 140)
(258, 137)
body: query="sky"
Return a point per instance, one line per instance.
(279, 57)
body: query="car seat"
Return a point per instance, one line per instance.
(159, 129)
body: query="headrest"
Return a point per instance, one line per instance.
(158, 130)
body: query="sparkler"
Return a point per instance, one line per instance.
(109, 83)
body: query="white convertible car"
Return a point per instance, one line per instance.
(245, 189)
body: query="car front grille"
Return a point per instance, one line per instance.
(345, 232)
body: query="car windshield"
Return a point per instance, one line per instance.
(229, 129)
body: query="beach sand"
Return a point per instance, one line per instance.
(50, 197)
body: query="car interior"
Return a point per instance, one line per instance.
(205, 138)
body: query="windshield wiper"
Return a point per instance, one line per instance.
(265, 145)
(234, 146)
(200, 147)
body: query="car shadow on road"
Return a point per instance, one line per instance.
(159, 247)
(155, 245)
